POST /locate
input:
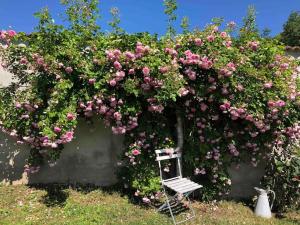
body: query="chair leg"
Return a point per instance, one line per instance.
(170, 209)
(163, 206)
(167, 204)
(191, 207)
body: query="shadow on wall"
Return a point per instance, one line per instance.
(244, 179)
(12, 160)
(91, 158)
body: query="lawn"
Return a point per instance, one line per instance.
(56, 205)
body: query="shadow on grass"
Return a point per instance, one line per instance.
(57, 194)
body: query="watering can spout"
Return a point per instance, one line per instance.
(263, 208)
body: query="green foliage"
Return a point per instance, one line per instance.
(249, 26)
(115, 21)
(266, 33)
(82, 15)
(283, 176)
(170, 8)
(291, 30)
(185, 24)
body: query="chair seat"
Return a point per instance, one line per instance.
(182, 185)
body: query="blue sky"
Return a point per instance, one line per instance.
(147, 15)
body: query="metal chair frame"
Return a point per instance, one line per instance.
(182, 186)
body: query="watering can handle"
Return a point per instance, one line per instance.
(270, 191)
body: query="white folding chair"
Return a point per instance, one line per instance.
(182, 186)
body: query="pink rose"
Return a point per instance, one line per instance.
(198, 42)
(223, 34)
(228, 44)
(146, 71)
(18, 105)
(253, 45)
(23, 60)
(227, 105)
(103, 109)
(92, 81)
(146, 200)
(70, 116)
(117, 52)
(284, 66)
(54, 145)
(136, 152)
(11, 33)
(69, 70)
(210, 38)
(112, 82)
(117, 65)
(271, 104)
(40, 61)
(68, 136)
(57, 129)
(223, 107)
(231, 66)
(268, 85)
(280, 103)
(183, 92)
(129, 55)
(240, 87)
(117, 116)
(163, 69)
(131, 71)
(192, 75)
(147, 79)
(203, 107)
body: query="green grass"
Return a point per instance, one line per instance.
(24, 205)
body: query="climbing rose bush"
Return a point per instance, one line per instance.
(237, 97)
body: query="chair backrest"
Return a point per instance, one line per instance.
(167, 154)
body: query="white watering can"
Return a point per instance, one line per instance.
(262, 207)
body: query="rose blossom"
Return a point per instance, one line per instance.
(23, 60)
(163, 69)
(253, 45)
(136, 152)
(146, 200)
(210, 38)
(131, 71)
(68, 136)
(223, 34)
(280, 103)
(92, 81)
(228, 44)
(69, 70)
(268, 85)
(112, 82)
(240, 87)
(183, 92)
(203, 107)
(146, 71)
(117, 65)
(57, 129)
(18, 105)
(117, 116)
(70, 116)
(11, 33)
(198, 42)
